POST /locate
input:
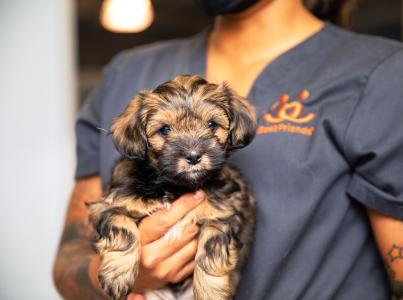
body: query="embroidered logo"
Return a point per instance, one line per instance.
(288, 116)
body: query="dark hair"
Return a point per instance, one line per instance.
(335, 11)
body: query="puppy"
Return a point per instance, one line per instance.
(174, 140)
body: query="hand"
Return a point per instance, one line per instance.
(167, 261)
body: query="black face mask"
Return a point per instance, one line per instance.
(222, 7)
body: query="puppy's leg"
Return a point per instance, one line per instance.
(215, 276)
(118, 245)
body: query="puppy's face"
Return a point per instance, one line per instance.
(184, 128)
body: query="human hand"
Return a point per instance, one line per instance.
(163, 260)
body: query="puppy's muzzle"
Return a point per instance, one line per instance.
(193, 157)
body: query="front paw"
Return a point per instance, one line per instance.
(113, 233)
(117, 242)
(112, 238)
(219, 255)
(117, 274)
(116, 287)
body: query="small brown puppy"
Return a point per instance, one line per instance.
(175, 139)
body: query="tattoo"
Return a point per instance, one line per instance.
(75, 254)
(395, 253)
(396, 285)
(86, 287)
(73, 232)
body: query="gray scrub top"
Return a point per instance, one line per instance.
(329, 141)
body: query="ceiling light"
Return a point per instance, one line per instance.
(126, 16)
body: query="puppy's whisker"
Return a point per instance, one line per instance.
(104, 130)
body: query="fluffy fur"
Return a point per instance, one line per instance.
(175, 139)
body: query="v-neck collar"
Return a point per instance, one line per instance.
(273, 73)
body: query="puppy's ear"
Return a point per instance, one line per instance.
(128, 131)
(243, 120)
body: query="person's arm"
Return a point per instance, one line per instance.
(388, 232)
(73, 276)
(75, 255)
(162, 261)
(372, 147)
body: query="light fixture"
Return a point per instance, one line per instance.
(126, 16)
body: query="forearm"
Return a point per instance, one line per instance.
(394, 269)
(393, 258)
(389, 236)
(76, 266)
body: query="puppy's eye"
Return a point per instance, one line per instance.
(164, 130)
(212, 125)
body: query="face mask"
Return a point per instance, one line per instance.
(222, 7)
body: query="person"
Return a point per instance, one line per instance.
(325, 166)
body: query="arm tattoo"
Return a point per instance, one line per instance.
(75, 254)
(394, 254)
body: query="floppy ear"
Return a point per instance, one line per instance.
(243, 120)
(128, 131)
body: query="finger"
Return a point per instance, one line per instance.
(183, 273)
(154, 253)
(134, 296)
(155, 226)
(178, 260)
(147, 281)
(172, 266)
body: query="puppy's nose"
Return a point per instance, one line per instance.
(193, 157)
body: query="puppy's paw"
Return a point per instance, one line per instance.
(207, 287)
(219, 256)
(114, 232)
(116, 287)
(113, 238)
(119, 248)
(117, 273)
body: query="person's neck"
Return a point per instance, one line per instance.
(264, 31)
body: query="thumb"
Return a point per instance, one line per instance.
(156, 225)
(134, 296)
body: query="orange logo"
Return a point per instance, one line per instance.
(284, 112)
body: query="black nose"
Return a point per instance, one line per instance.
(193, 158)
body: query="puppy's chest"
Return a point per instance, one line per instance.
(203, 214)
(224, 197)
(208, 210)
(211, 210)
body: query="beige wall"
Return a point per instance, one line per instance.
(37, 104)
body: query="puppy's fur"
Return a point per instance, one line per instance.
(175, 139)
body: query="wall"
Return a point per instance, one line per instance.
(37, 105)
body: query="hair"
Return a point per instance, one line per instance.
(335, 11)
